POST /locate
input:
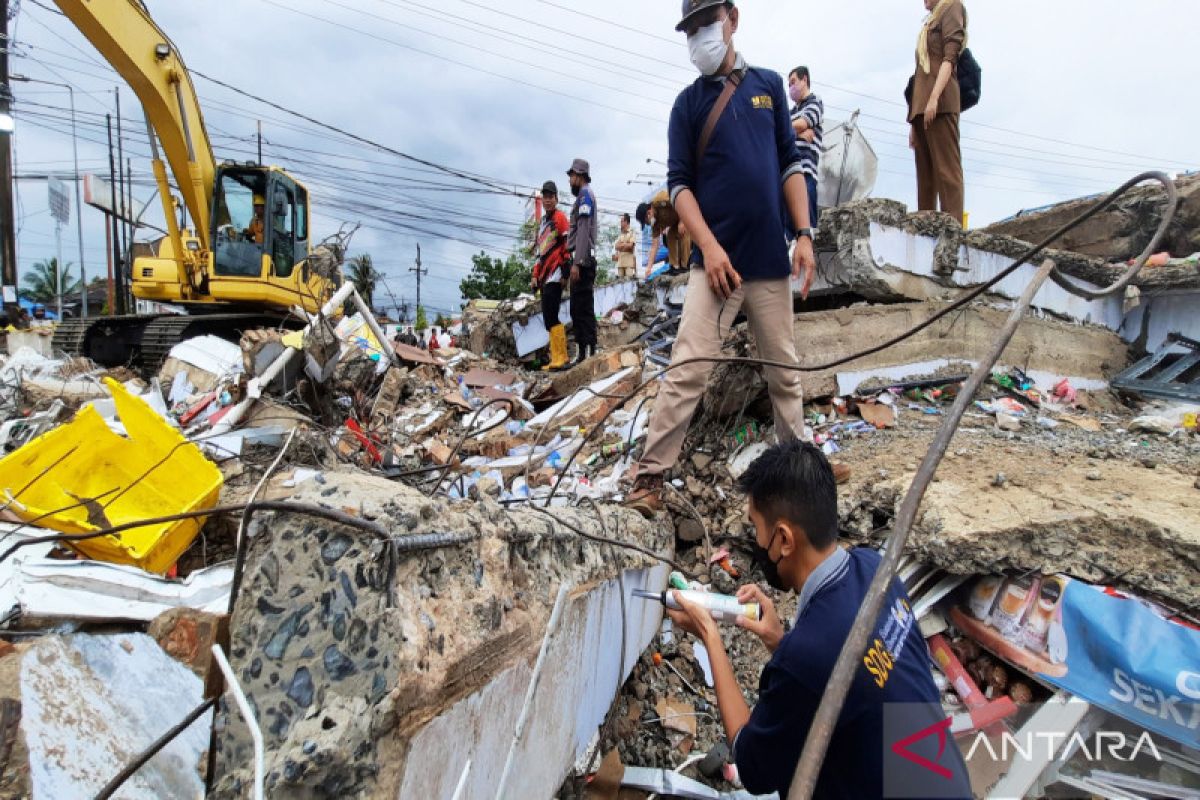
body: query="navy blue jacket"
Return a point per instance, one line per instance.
(768, 747)
(739, 186)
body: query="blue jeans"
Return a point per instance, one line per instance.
(813, 213)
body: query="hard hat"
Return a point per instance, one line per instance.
(693, 7)
(259, 200)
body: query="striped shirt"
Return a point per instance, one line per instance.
(812, 110)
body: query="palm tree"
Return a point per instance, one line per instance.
(364, 277)
(41, 282)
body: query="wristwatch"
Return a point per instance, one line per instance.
(811, 233)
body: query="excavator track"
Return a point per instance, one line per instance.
(163, 333)
(144, 342)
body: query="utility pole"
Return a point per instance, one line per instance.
(115, 281)
(417, 269)
(8, 236)
(260, 161)
(122, 211)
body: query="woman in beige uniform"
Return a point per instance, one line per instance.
(935, 107)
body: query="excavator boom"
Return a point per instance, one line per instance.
(145, 57)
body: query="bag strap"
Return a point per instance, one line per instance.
(714, 116)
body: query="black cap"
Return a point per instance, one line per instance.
(693, 7)
(549, 188)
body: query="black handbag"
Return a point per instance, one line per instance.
(970, 81)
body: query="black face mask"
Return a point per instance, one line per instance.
(770, 569)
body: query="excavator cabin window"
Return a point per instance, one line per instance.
(283, 230)
(241, 223)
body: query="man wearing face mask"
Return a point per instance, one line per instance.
(792, 499)
(808, 121)
(732, 167)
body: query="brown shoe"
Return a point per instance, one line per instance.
(841, 473)
(646, 495)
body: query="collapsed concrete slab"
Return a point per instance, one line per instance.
(875, 250)
(378, 673)
(86, 706)
(1118, 233)
(1000, 504)
(1044, 348)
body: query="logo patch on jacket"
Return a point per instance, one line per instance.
(762, 101)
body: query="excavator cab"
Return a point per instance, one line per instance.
(237, 251)
(262, 259)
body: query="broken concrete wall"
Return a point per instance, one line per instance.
(876, 250)
(1147, 326)
(1121, 232)
(364, 668)
(1044, 348)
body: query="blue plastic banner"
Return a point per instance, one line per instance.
(1116, 652)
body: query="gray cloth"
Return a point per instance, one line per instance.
(585, 225)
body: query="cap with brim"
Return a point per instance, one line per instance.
(580, 167)
(693, 7)
(549, 188)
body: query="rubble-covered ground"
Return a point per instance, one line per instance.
(1039, 478)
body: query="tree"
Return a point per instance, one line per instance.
(421, 324)
(606, 245)
(493, 279)
(41, 282)
(361, 272)
(442, 321)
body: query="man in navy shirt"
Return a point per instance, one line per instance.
(793, 505)
(729, 191)
(581, 241)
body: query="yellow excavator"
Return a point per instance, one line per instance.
(244, 260)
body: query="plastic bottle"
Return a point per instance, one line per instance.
(723, 607)
(472, 399)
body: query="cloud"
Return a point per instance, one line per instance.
(1104, 78)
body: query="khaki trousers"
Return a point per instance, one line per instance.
(768, 307)
(939, 165)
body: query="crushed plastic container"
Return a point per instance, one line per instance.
(82, 477)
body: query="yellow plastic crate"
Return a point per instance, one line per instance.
(153, 473)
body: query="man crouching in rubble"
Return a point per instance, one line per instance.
(793, 505)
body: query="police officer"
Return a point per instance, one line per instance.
(581, 241)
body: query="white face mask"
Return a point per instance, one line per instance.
(707, 48)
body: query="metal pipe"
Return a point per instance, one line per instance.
(255, 387)
(247, 714)
(158, 744)
(373, 324)
(564, 589)
(845, 668)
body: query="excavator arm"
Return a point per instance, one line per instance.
(125, 35)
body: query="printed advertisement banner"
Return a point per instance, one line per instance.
(1116, 652)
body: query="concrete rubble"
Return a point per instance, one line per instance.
(435, 599)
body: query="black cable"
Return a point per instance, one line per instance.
(467, 434)
(605, 540)
(1030, 253)
(149, 752)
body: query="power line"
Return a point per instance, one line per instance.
(456, 62)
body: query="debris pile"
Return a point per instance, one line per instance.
(392, 526)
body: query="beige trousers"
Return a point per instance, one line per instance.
(768, 307)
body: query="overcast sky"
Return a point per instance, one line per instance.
(1078, 96)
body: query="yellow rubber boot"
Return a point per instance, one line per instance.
(558, 349)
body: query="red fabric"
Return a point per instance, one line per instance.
(551, 246)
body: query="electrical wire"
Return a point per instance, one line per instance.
(953, 307)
